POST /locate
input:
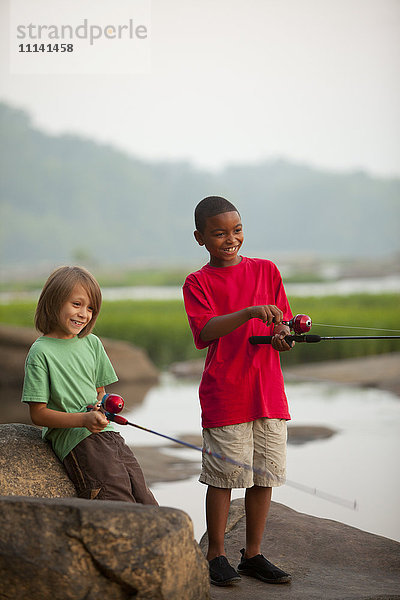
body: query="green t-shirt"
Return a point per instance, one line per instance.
(65, 375)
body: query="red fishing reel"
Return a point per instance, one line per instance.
(112, 403)
(299, 324)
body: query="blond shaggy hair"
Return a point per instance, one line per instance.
(56, 292)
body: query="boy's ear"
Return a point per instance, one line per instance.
(199, 237)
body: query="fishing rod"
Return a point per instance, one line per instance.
(112, 404)
(301, 324)
(312, 338)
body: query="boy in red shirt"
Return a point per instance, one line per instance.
(244, 406)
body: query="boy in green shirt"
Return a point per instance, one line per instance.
(66, 370)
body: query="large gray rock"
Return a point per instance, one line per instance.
(131, 363)
(74, 549)
(327, 560)
(135, 371)
(28, 465)
(55, 546)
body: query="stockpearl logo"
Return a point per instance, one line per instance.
(54, 37)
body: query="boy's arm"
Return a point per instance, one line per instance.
(94, 420)
(224, 324)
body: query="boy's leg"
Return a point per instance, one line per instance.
(140, 490)
(257, 503)
(269, 443)
(222, 476)
(102, 467)
(217, 509)
(270, 456)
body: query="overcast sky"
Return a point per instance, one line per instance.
(315, 81)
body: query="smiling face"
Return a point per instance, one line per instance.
(75, 314)
(223, 237)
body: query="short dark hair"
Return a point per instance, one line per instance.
(209, 207)
(56, 292)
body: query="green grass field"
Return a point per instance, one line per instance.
(161, 327)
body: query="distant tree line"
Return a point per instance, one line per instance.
(64, 197)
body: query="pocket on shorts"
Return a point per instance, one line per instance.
(276, 445)
(277, 426)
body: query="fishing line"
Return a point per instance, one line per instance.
(112, 404)
(351, 504)
(357, 327)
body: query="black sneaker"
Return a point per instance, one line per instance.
(259, 567)
(221, 572)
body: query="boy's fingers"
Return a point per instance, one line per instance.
(267, 315)
(270, 316)
(100, 419)
(287, 344)
(278, 315)
(274, 314)
(280, 343)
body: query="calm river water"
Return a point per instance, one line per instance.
(367, 285)
(358, 463)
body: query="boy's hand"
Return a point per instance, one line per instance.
(278, 341)
(268, 313)
(95, 421)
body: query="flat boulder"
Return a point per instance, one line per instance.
(75, 549)
(56, 546)
(327, 559)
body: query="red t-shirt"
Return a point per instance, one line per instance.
(240, 382)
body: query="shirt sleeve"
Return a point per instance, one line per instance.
(36, 382)
(280, 296)
(105, 374)
(198, 310)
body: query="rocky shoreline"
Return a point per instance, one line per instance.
(327, 559)
(379, 370)
(117, 550)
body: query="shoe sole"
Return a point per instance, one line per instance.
(225, 583)
(287, 579)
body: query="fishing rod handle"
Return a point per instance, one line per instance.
(110, 416)
(116, 418)
(266, 339)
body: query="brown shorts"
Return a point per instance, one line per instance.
(103, 467)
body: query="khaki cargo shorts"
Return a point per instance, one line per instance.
(259, 445)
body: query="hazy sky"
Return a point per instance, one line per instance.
(315, 81)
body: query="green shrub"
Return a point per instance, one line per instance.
(161, 327)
